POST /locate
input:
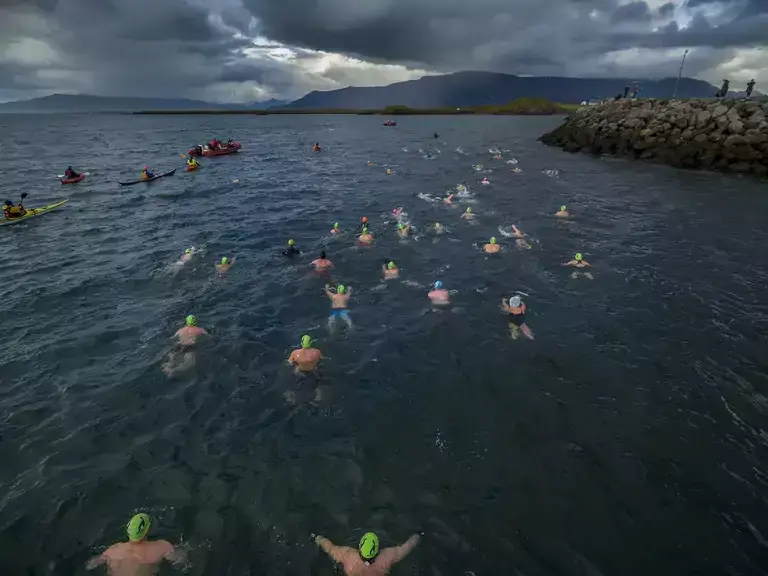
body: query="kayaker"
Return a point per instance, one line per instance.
(138, 555)
(10, 211)
(69, 173)
(291, 251)
(146, 174)
(192, 163)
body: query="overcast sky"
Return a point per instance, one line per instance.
(250, 50)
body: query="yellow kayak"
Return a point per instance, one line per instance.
(33, 212)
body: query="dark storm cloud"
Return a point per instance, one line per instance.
(667, 10)
(518, 36)
(632, 12)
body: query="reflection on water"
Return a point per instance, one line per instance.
(626, 439)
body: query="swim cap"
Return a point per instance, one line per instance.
(191, 320)
(515, 302)
(579, 257)
(340, 289)
(400, 226)
(306, 341)
(335, 224)
(365, 219)
(145, 168)
(438, 285)
(137, 527)
(188, 251)
(562, 208)
(291, 242)
(365, 230)
(369, 546)
(391, 265)
(224, 260)
(493, 239)
(469, 210)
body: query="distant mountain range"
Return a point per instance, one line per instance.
(458, 90)
(85, 103)
(463, 89)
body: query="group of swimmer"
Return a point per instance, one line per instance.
(140, 555)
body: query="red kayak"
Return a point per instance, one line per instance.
(74, 180)
(222, 151)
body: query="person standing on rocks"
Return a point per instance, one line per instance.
(626, 91)
(750, 87)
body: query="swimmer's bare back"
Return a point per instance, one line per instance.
(135, 559)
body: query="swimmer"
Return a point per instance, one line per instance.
(365, 237)
(224, 265)
(139, 556)
(291, 251)
(439, 295)
(435, 135)
(520, 238)
(563, 212)
(187, 256)
(579, 262)
(389, 171)
(439, 228)
(448, 199)
(498, 157)
(397, 212)
(306, 358)
(316, 147)
(335, 229)
(322, 263)
(190, 332)
(468, 214)
(369, 163)
(367, 560)
(515, 309)
(339, 303)
(485, 181)
(390, 271)
(492, 247)
(403, 230)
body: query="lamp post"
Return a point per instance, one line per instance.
(679, 74)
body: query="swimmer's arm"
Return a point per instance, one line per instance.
(570, 263)
(173, 554)
(391, 556)
(338, 553)
(328, 292)
(292, 359)
(95, 562)
(504, 305)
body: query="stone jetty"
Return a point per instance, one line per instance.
(725, 135)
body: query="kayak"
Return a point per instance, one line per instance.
(221, 152)
(139, 181)
(34, 212)
(75, 180)
(193, 167)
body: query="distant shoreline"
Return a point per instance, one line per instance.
(519, 107)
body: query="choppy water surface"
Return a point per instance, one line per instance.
(628, 438)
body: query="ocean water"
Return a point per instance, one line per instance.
(627, 438)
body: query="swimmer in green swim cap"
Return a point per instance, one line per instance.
(563, 212)
(368, 558)
(306, 358)
(224, 265)
(365, 237)
(190, 332)
(468, 215)
(579, 262)
(335, 229)
(403, 230)
(139, 555)
(339, 304)
(187, 256)
(390, 270)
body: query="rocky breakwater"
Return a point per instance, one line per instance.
(726, 135)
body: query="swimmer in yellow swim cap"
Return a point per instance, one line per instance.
(579, 262)
(368, 558)
(563, 212)
(468, 215)
(492, 247)
(224, 265)
(390, 270)
(139, 555)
